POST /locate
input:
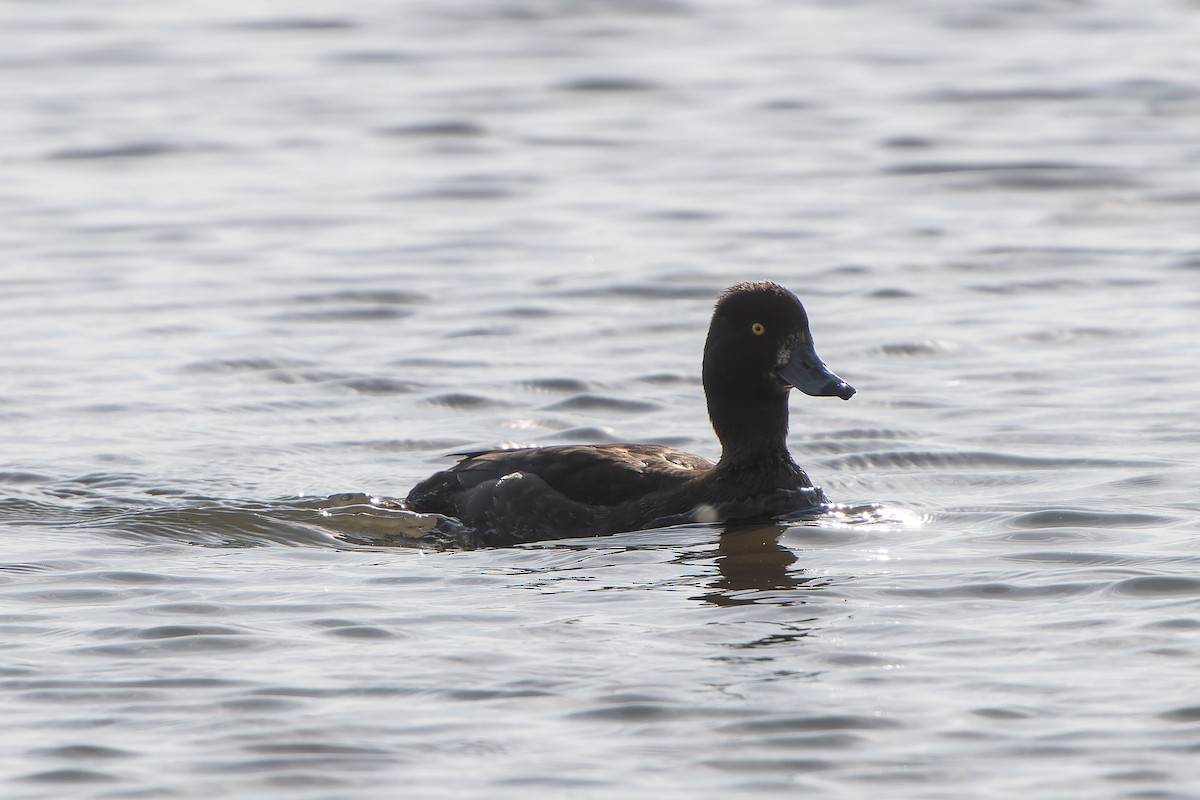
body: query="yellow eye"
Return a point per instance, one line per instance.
(757, 329)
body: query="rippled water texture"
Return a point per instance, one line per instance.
(266, 265)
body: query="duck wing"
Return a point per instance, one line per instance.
(594, 475)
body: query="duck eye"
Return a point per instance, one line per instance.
(757, 329)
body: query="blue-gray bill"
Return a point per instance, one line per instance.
(808, 373)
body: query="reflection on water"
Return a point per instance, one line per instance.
(751, 561)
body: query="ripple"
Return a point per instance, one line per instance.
(1030, 287)
(91, 695)
(818, 722)
(1140, 776)
(867, 433)
(763, 765)
(558, 785)
(461, 401)
(349, 314)
(1057, 536)
(1070, 335)
(607, 83)
(359, 632)
(384, 523)
(126, 150)
(316, 748)
(1189, 262)
(667, 290)
(477, 695)
(788, 104)
(1181, 714)
(375, 386)
(527, 312)
(1158, 586)
(574, 141)
(218, 524)
(372, 57)
(426, 362)
(908, 142)
(966, 460)
(555, 385)
(683, 215)
(71, 597)
(285, 24)
(70, 776)
(131, 577)
(248, 364)
(173, 646)
(1029, 176)
(293, 377)
(927, 347)
(396, 445)
(892, 293)
(188, 609)
(20, 478)
(997, 590)
(1178, 624)
(526, 12)
(261, 705)
(82, 752)
(596, 402)
(815, 741)
(176, 631)
(1004, 713)
(395, 297)
(585, 434)
(29, 569)
(1076, 557)
(1074, 518)
(305, 779)
(483, 330)
(938, 167)
(630, 712)
(456, 190)
(669, 379)
(456, 128)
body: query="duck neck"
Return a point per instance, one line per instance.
(751, 426)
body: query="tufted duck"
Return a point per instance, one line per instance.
(759, 346)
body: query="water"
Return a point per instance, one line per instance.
(263, 265)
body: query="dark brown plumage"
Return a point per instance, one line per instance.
(758, 347)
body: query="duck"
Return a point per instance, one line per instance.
(759, 347)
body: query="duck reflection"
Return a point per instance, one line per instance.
(750, 560)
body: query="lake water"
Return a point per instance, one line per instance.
(263, 264)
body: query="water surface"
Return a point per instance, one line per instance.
(264, 265)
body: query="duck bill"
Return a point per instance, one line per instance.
(808, 373)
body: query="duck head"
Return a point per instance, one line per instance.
(759, 346)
